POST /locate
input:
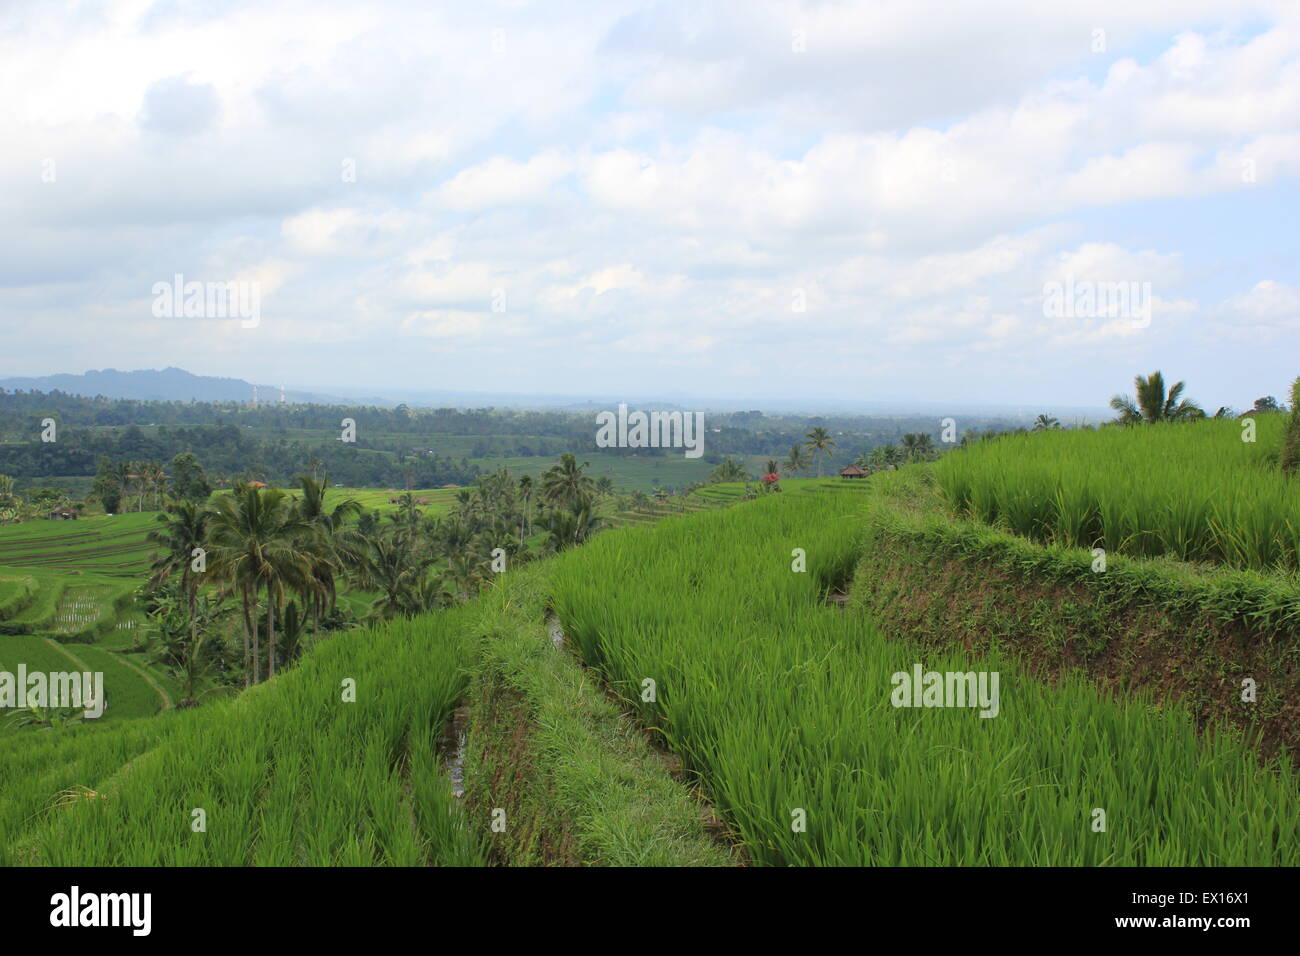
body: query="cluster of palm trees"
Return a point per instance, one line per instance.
(261, 545)
(284, 556)
(569, 503)
(817, 445)
(136, 481)
(912, 447)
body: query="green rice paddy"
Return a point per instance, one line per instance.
(1195, 491)
(778, 704)
(782, 706)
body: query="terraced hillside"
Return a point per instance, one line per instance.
(784, 708)
(67, 604)
(112, 545)
(772, 733)
(383, 500)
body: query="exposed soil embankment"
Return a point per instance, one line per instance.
(1207, 637)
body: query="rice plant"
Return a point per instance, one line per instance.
(1194, 491)
(782, 706)
(292, 772)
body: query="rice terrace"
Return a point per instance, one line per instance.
(741, 439)
(616, 675)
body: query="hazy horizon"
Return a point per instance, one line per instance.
(861, 405)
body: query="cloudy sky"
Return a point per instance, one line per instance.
(781, 199)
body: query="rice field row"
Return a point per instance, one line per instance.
(332, 763)
(109, 544)
(131, 687)
(429, 500)
(1194, 491)
(63, 604)
(783, 706)
(44, 773)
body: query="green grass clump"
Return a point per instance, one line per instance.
(46, 774)
(782, 704)
(1195, 491)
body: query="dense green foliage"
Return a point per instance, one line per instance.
(394, 446)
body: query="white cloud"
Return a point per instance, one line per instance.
(502, 181)
(1268, 303)
(660, 179)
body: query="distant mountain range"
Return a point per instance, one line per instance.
(169, 384)
(178, 385)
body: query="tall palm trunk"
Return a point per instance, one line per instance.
(248, 630)
(257, 650)
(270, 631)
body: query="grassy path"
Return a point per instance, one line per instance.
(167, 702)
(163, 696)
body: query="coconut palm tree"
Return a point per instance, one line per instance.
(819, 442)
(391, 565)
(917, 446)
(339, 544)
(119, 474)
(408, 515)
(567, 483)
(259, 542)
(1154, 404)
(156, 477)
(182, 633)
(526, 496)
(797, 462)
(569, 527)
(464, 572)
(133, 483)
(180, 532)
(1044, 422)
